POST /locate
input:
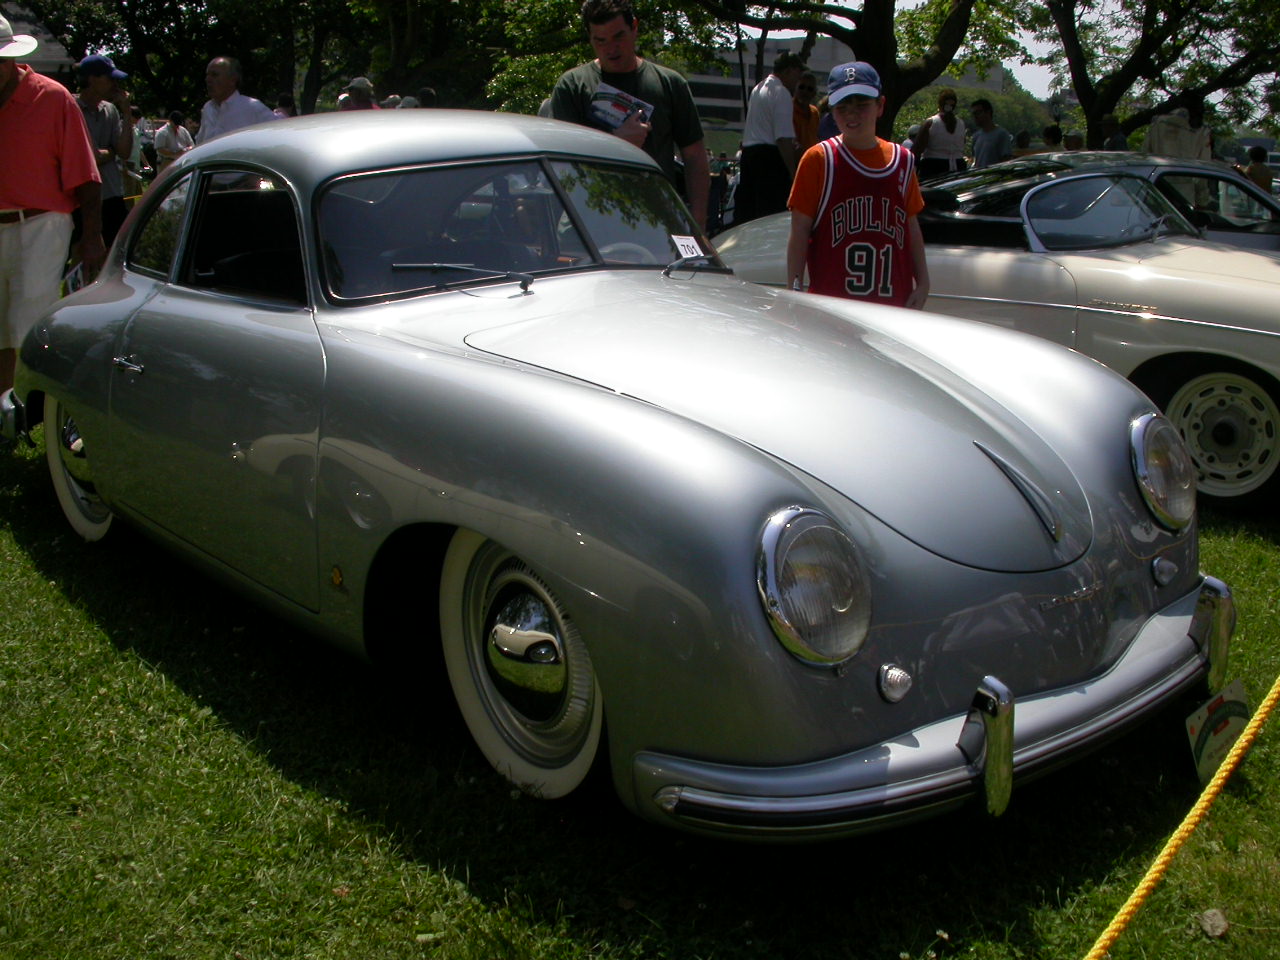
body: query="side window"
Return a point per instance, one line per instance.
(245, 239)
(156, 241)
(1239, 207)
(1216, 202)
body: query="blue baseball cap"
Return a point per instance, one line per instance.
(857, 79)
(100, 66)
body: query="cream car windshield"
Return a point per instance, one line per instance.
(1084, 213)
(405, 232)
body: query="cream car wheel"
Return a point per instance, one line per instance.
(71, 473)
(1231, 425)
(519, 670)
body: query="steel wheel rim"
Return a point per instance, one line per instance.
(1230, 425)
(546, 727)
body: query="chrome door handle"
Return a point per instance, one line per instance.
(127, 364)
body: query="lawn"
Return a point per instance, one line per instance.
(183, 776)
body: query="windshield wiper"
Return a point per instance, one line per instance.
(684, 262)
(524, 279)
(1162, 221)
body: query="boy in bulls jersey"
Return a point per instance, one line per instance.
(854, 203)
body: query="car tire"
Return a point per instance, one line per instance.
(535, 713)
(71, 473)
(1230, 420)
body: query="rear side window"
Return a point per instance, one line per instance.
(245, 239)
(156, 242)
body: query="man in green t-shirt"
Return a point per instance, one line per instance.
(646, 104)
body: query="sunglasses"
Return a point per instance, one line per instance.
(809, 89)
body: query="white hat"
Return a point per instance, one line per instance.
(14, 46)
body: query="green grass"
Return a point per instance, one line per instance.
(183, 776)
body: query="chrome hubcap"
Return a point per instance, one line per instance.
(527, 662)
(76, 470)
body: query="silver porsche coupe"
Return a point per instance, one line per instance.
(475, 389)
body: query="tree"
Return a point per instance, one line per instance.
(164, 45)
(909, 48)
(1162, 54)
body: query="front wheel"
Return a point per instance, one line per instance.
(1231, 424)
(72, 474)
(519, 670)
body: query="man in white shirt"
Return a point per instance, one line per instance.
(769, 143)
(227, 108)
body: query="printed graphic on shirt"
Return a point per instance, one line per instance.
(611, 106)
(859, 244)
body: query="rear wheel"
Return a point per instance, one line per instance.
(519, 670)
(72, 474)
(1231, 423)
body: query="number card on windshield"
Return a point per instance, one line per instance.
(687, 246)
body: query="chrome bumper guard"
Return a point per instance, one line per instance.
(986, 740)
(13, 420)
(836, 797)
(1212, 626)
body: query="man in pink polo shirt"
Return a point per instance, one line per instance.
(49, 169)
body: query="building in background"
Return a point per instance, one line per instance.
(50, 57)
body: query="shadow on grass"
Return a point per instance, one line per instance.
(403, 763)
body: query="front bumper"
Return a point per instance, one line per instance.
(945, 764)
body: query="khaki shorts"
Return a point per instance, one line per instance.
(32, 255)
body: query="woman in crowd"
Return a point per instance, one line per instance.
(172, 140)
(939, 146)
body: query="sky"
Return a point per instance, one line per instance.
(1035, 80)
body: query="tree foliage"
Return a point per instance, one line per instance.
(1134, 57)
(165, 45)
(910, 48)
(1154, 55)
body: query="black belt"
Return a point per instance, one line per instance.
(16, 216)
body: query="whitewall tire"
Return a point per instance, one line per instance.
(71, 473)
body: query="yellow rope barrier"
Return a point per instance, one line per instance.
(1187, 827)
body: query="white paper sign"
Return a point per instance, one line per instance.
(1215, 727)
(687, 246)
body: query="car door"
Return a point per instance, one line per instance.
(1226, 208)
(1010, 288)
(216, 393)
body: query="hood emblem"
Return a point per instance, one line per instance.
(1040, 503)
(1084, 593)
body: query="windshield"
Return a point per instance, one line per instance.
(1100, 211)
(393, 233)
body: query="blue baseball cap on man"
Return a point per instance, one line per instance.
(100, 66)
(856, 79)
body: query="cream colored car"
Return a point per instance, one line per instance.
(1102, 262)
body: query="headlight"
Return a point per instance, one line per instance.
(813, 586)
(1166, 475)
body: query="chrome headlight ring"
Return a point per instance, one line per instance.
(813, 586)
(1164, 470)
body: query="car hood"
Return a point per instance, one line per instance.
(824, 387)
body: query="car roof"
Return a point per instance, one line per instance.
(1022, 173)
(1135, 159)
(309, 150)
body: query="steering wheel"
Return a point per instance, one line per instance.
(624, 251)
